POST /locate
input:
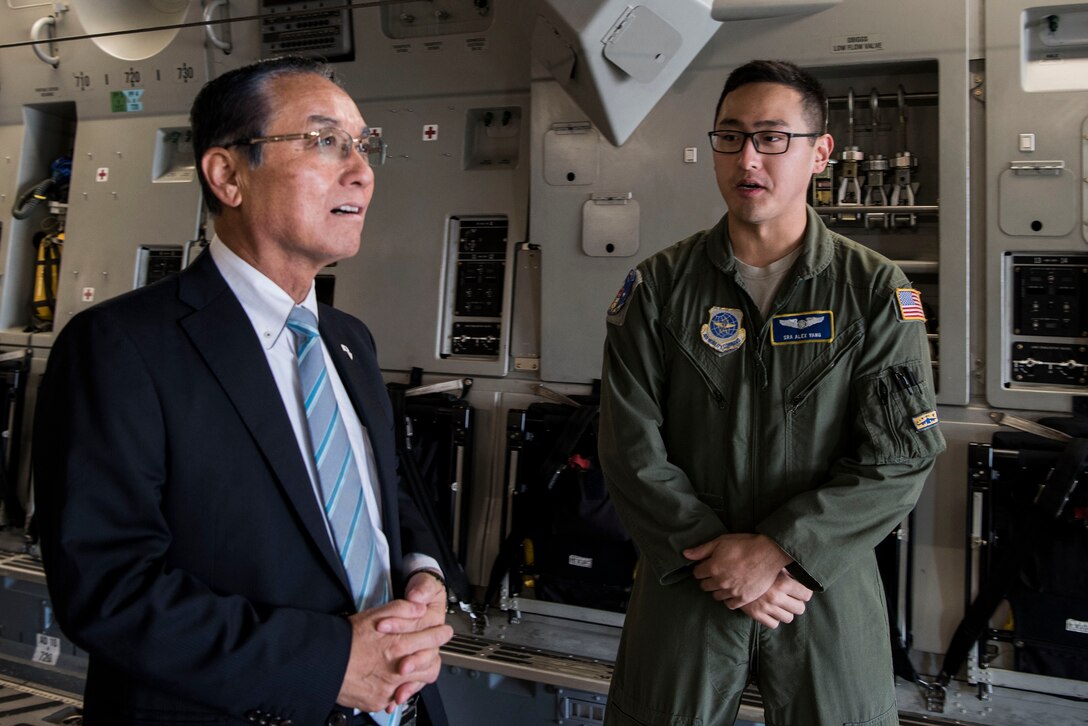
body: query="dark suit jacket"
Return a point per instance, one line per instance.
(184, 547)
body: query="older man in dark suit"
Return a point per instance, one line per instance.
(221, 521)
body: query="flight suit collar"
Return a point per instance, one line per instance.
(815, 258)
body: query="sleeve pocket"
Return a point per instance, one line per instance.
(899, 412)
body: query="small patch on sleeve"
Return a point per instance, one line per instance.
(909, 301)
(926, 420)
(617, 311)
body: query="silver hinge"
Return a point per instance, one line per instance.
(572, 127)
(613, 198)
(1037, 168)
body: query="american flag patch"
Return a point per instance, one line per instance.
(910, 304)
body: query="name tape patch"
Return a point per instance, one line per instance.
(817, 326)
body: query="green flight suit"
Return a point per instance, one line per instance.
(816, 427)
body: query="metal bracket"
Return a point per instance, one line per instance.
(935, 695)
(477, 615)
(978, 87)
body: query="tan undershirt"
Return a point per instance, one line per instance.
(762, 283)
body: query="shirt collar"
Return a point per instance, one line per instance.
(265, 302)
(817, 248)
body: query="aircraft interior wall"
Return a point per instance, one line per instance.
(515, 196)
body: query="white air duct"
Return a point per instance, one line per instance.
(617, 59)
(757, 9)
(106, 16)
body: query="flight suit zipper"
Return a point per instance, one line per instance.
(764, 381)
(715, 392)
(801, 396)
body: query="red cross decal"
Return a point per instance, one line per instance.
(430, 131)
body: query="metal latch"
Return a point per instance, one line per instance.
(1037, 168)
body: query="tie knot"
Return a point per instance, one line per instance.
(302, 322)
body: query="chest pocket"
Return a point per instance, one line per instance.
(712, 369)
(799, 392)
(900, 413)
(815, 406)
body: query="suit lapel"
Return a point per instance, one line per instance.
(223, 334)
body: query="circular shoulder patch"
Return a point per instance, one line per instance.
(617, 310)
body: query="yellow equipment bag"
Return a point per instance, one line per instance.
(46, 273)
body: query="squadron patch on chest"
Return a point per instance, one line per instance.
(617, 311)
(724, 331)
(817, 326)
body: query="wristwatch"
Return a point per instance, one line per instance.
(426, 570)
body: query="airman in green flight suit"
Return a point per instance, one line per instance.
(767, 418)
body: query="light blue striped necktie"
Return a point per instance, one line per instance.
(338, 476)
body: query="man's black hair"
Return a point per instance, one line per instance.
(235, 106)
(813, 97)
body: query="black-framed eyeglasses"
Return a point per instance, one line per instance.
(331, 142)
(728, 141)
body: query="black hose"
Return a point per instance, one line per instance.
(35, 196)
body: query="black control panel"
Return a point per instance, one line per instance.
(481, 259)
(162, 263)
(475, 339)
(478, 253)
(154, 262)
(1046, 363)
(1051, 295)
(312, 28)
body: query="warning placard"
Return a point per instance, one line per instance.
(862, 43)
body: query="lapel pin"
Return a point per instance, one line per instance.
(345, 349)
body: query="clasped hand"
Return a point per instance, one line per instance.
(394, 648)
(747, 573)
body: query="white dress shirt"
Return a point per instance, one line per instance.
(267, 305)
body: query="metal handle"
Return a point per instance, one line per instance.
(552, 395)
(35, 33)
(209, 32)
(1031, 427)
